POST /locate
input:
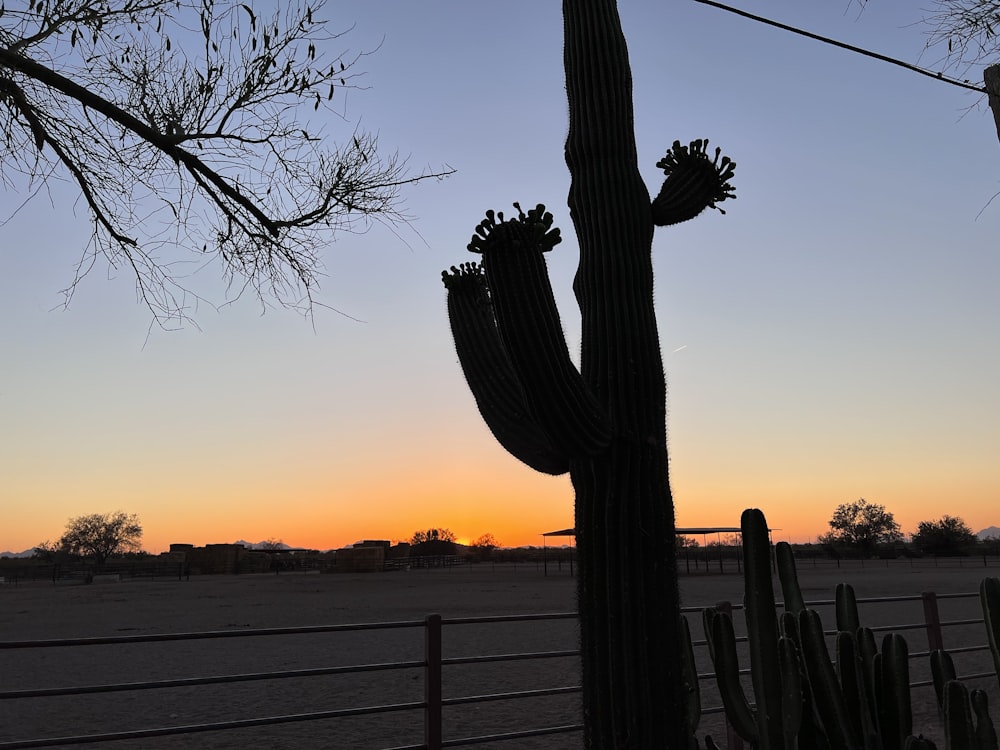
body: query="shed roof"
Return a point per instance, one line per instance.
(692, 530)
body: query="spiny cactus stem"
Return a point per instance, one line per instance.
(851, 680)
(762, 626)
(790, 589)
(848, 619)
(829, 699)
(986, 734)
(989, 596)
(491, 376)
(895, 715)
(959, 731)
(727, 675)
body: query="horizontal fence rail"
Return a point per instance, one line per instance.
(432, 666)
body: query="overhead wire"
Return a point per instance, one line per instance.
(843, 45)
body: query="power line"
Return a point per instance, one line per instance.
(842, 45)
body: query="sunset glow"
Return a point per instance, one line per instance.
(834, 336)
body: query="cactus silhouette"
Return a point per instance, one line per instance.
(603, 423)
(802, 697)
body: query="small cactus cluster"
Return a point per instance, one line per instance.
(805, 699)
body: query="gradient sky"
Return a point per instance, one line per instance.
(834, 336)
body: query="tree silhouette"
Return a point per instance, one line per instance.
(946, 536)
(863, 525)
(486, 542)
(186, 125)
(101, 536)
(432, 535)
(605, 424)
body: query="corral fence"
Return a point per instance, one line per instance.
(433, 668)
(81, 572)
(709, 559)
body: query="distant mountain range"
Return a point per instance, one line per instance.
(991, 532)
(26, 553)
(261, 545)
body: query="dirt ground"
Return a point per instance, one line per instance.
(45, 611)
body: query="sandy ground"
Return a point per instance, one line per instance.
(44, 611)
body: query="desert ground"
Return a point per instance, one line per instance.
(40, 611)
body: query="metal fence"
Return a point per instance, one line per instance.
(432, 666)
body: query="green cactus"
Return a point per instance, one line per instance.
(604, 424)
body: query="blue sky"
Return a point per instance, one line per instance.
(833, 336)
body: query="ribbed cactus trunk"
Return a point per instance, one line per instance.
(628, 596)
(606, 423)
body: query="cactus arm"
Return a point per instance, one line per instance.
(790, 588)
(895, 714)
(867, 651)
(791, 692)
(847, 609)
(727, 675)
(986, 734)
(851, 679)
(693, 703)
(531, 331)
(708, 615)
(693, 182)
(989, 595)
(788, 626)
(762, 627)
(828, 698)
(490, 374)
(958, 730)
(942, 671)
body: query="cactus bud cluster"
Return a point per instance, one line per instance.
(532, 229)
(469, 274)
(694, 182)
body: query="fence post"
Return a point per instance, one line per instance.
(932, 620)
(432, 682)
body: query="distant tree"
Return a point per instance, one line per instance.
(100, 536)
(484, 546)
(432, 542)
(863, 525)
(487, 542)
(186, 125)
(947, 536)
(686, 541)
(272, 544)
(47, 551)
(432, 535)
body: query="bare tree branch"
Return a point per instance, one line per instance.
(200, 109)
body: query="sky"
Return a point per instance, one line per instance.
(833, 336)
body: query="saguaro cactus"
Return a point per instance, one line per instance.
(604, 424)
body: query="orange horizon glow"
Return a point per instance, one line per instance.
(516, 509)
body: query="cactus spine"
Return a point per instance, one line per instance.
(604, 424)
